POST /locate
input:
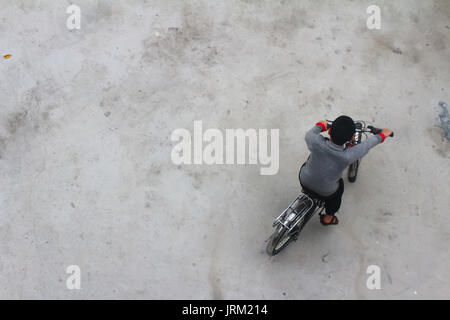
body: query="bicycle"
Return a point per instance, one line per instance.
(293, 219)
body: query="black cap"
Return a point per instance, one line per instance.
(342, 129)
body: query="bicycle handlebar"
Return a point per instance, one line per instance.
(378, 130)
(359, 128)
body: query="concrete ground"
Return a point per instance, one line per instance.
(86, 171)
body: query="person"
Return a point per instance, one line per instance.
(321, 174)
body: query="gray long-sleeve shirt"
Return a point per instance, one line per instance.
(327, 162)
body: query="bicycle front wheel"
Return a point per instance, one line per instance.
(353, 171)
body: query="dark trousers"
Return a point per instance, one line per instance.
(332, 202)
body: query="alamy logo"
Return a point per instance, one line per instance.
(235, 150)
(374, 20)
(74, 280)
(74, 20)
(374, 280)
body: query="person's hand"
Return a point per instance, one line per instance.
(324, 123)
(386, 132)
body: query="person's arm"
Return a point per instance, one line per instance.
(313, 136)
(360, 150)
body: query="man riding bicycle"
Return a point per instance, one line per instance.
(321, 175)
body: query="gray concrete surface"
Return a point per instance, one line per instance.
(87, 179)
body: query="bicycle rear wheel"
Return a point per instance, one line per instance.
(279, 240)
(282, 237)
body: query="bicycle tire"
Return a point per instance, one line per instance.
(274, 240)
(353, 168)
(353, 171)
(281, 231)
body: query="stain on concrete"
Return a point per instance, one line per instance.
(16, 120)
(415, 56)
(104, 9)
(397, 51)
(214, 281)
(385, 42)
(414, 18)
(411, 109)
(173, 30)
(439, 43)
(45, 115)
(196, 179)
(439, 137)
(444, 119)
(392, 237)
